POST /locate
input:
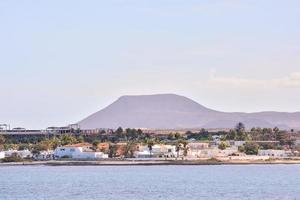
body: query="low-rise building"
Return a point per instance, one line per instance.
(22, 153)
(212, 152)
(158, 151)
(78, 151)
(2, 154)
(208, 153)
(272, 153)
(44, 155)
(195, 149)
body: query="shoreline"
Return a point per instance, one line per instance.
(146, 163)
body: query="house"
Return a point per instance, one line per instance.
(272, 153)
(23, 153)
(2, 154)
(78, 151)
(158, 151)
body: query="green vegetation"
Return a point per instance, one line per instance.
(222, 146)
(150, 144)
(95, 144)
(251, 148)
(13, 158)
(131, 137)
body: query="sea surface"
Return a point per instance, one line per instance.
(150, 182)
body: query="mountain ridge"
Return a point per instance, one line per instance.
(166, 111)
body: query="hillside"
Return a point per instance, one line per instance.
(166, 111)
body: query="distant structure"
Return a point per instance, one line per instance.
(53, 130)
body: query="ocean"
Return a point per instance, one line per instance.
(150, 182)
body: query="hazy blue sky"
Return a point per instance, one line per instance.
(63, 60)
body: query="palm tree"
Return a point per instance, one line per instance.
(112, 150)
(185, 147)
(178, 147)
(150, 145)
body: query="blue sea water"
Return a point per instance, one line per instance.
(150, 182)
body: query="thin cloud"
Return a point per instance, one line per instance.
(290, 81)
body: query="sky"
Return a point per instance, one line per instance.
(61, 61)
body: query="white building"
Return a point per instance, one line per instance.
(44, 155)
(158, 151)
(207, 153)
(197, 149)
(272, 153)
(239, 143)
(212, 152)
(78, 151)
(2, 154)
(23, 153)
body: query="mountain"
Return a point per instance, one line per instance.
(170, 111)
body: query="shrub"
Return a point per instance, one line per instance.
(13, 158)
(251, 148)
(222, 145)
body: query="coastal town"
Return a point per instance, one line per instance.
(236, 145)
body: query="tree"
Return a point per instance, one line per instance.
(95, 144)
(222, 146)
(55, 142)
(80, 139)
(139, 132)
(129, 149)
(281, 137)
(2, 139)
(185, 147)
(240, 129)
(231, 135)
(182, 144)
(177, 135)
(112, 149)
(150, 144)
(67, 139)
(276, 129)
(178, 147)
(13, 158)
(203, 131)
(170, 136)
(119, 132)
(241, 148)
(44, 145)
(23, 147)
(251, 148)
